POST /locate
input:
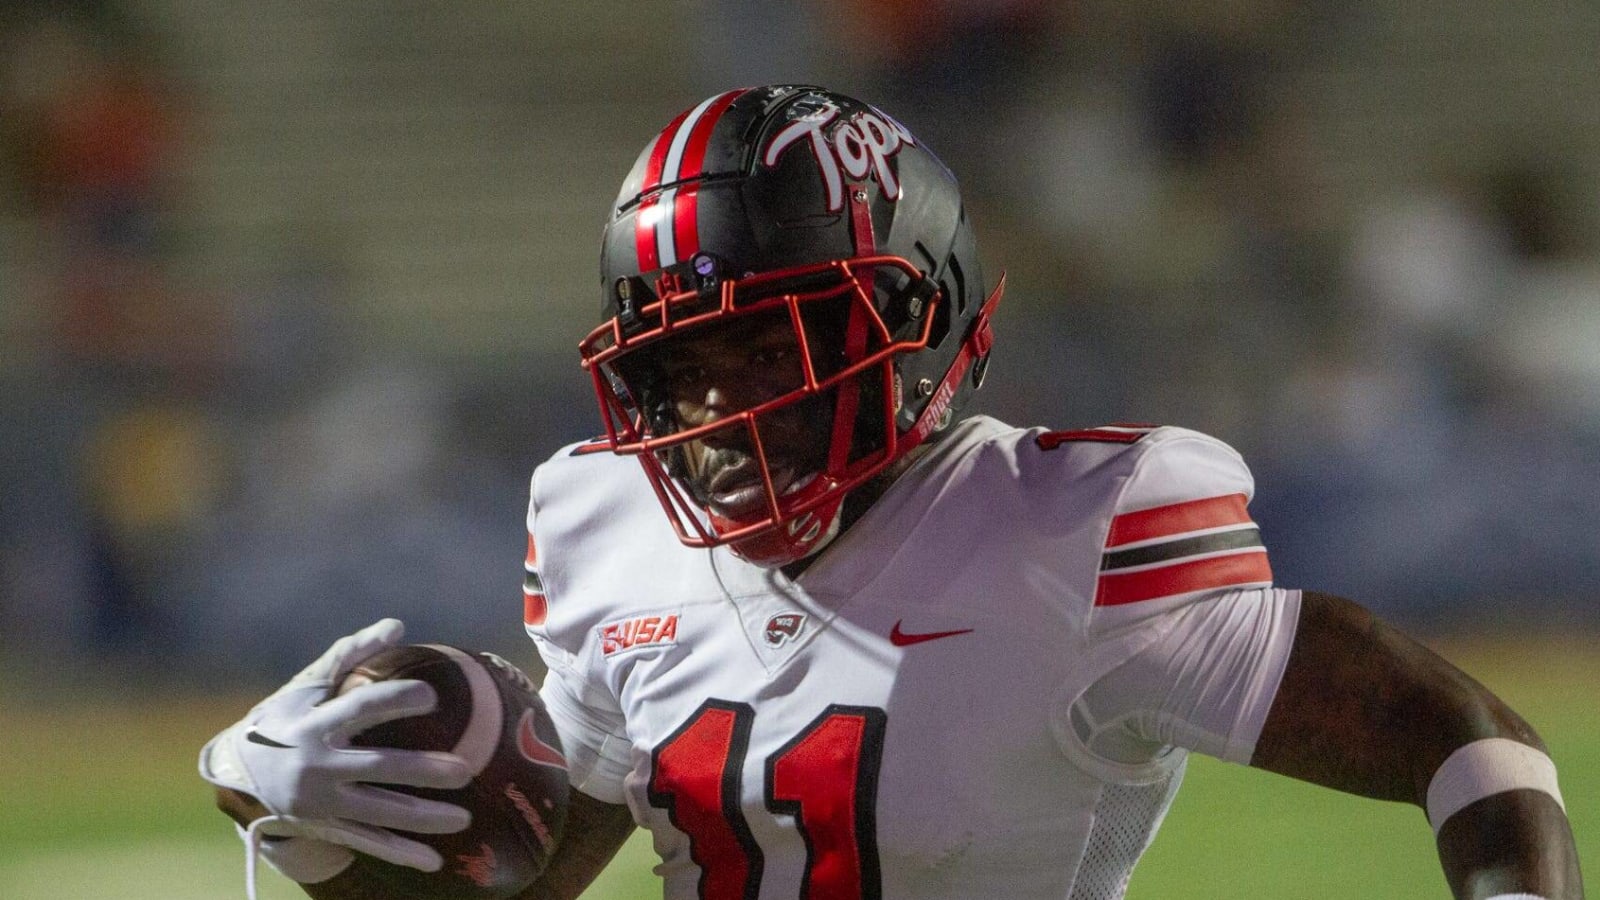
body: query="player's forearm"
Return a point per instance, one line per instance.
(594, 832)
(1512, 842)
(1364, 709)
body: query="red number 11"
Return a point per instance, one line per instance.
(826, 777)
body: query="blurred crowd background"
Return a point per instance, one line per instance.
(290, 291)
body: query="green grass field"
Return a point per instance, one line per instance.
(101, 801)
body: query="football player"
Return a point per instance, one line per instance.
(875, 648)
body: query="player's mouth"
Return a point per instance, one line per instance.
(737, 491)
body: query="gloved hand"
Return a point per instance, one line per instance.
(292, 752)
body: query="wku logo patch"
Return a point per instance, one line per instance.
(783, 628)
(640, 631)
(858, 147)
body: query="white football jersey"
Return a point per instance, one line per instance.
(987, 687)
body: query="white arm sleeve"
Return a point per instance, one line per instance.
(1205, 683)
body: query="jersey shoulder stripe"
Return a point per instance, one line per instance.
(1163, 522)
(1248, 568)
(1180, 548)
(1243, 538)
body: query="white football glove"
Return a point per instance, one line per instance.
(292, 752)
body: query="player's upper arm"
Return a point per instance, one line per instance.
(1363, 708)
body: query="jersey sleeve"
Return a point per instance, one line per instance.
(1191, 634)
(586, 715)
(593, 736)
(1204, 682)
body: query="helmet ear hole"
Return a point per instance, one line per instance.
(941, 316)
(958, 281)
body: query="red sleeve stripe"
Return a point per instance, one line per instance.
(1178, 518)
(534, 609)
(1213, 573)
(534, 605)
(1190, 546)
(1105, 434)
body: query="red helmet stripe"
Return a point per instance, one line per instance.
(658, 154)
(678, 154)
(666, 243)
(672, 172)
(644, 234)
(685, 234)
(645, 218)
(694, 152)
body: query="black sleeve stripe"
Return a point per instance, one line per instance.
(1237, 539)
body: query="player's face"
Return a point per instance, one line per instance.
(725, 371)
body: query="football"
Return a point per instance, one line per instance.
(489, 712)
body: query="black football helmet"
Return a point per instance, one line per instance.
(803, 206)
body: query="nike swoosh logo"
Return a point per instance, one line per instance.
(256, 737)
(901, 639)
(535, 750)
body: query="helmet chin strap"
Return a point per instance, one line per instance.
(794, 539)
(777, 548)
